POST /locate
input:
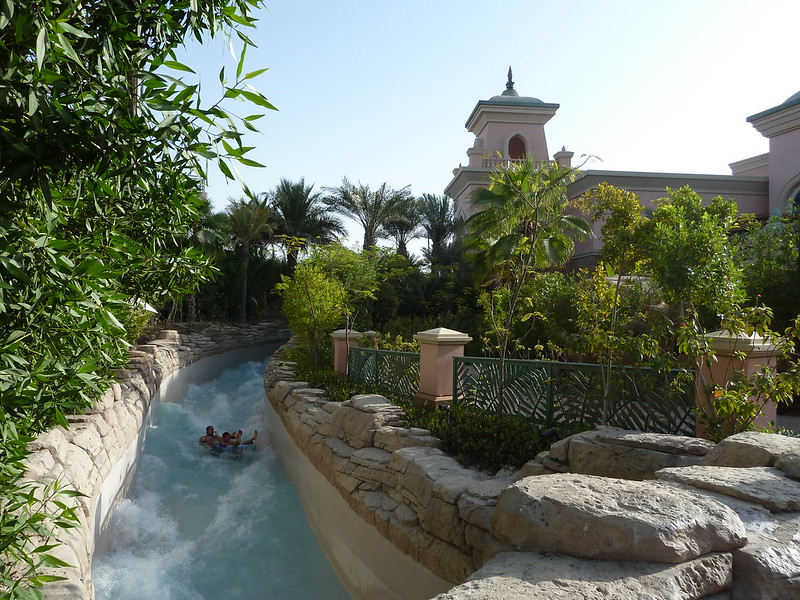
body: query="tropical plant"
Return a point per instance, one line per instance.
(403, 226)
(522, 224)
(302, 218)
(103, 150)
(436, 219)
(250, 225)
(372, 209)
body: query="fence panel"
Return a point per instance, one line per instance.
(394, 374)
(574, 393)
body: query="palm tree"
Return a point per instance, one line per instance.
(208, 233)
(522, 224)
(404, 225)
(436, 215)
(303, 218)
(250, 224)
(371, 209)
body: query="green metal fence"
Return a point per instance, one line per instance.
(394, 374)
(573, 393)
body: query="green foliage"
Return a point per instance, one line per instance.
(302, 218)
(767, 253)
(313, 303)
(436, 219)
(622, 320)
(250, 225)
(491, 441)
(685, 249)
(387, 341)
(734, 405)
(550, 316)
(522, 225)
(103, 154)
(372, 209)
(620, 213)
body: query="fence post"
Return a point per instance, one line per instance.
(341, 341)
(734, 352)
(437, 347)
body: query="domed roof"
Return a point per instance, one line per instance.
(510, 96)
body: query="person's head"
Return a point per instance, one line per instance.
(210, 430)
(226, 436)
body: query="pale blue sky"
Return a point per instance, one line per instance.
(380, 91)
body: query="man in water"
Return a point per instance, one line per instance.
(229, 439)
(210, 437)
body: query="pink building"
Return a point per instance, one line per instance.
(509, 127)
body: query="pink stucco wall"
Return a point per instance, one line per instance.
(784, 168)
(496, 135)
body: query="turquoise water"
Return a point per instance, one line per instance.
(202, 527)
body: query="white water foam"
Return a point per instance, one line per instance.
(199, 526)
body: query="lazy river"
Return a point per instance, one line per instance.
(198, 526)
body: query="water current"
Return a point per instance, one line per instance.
(202, 527)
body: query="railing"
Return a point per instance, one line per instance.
(394, 374)
(498, 161)
(573, 393)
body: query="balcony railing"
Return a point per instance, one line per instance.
(492, 162)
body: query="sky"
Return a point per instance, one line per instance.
(379, 91)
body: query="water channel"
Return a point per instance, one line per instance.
(198, 526)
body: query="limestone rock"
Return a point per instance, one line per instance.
(789, 463)
(751, 449)
(532, 468)
(595, 457)
(763, 485)
(528, 576)
(661, 442)
(613, 519)
(393, 438)
(358, 419)
(768, 568)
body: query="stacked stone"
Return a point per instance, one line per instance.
(83, 456)
(607, 513)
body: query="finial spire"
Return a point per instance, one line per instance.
(510, 91)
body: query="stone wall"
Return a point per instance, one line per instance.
(607, 513)
(96, 455)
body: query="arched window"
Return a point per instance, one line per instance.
(516, 147)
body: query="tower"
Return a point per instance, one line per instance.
(507, 127)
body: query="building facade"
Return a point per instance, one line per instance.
(509, 127)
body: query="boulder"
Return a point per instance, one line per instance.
(750, 449)
(762, 485)
(614, 519)
(358, 419)
(768, 568)
(660, 442)
(789, 463)
(528, 575)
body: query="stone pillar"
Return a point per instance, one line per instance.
(564, 157)
(341, 341)
(734, 352)
(437, 349)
